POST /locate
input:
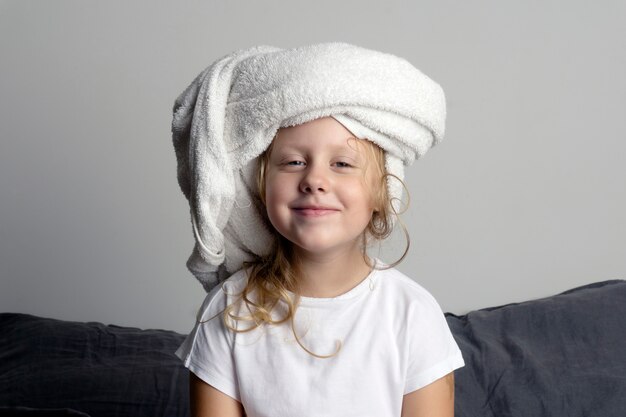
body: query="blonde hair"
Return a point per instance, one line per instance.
(272, 277)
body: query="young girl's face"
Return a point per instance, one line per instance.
(318, 186)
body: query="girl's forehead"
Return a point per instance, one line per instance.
(321, 135)
(325, 130)
(325, 143)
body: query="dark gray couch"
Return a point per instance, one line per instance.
(563, 355)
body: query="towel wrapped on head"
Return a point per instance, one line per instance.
(232, 110)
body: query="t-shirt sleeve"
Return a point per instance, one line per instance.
(207, 350)
(433, 352)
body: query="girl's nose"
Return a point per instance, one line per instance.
(314, 181)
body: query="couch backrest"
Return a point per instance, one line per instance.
(563, 355)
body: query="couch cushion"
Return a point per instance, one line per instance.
(563, 355)
(40, 412)
(89, 367)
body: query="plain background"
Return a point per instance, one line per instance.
(524, 198)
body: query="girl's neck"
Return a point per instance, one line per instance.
(327, 276)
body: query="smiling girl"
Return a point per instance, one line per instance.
(315, 326)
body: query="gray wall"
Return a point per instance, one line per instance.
(524, 198)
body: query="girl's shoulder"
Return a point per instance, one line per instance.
(405, 290)
(223, 294)
(235, 282)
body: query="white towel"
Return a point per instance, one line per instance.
(231, 111)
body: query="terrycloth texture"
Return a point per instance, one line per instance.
(231, 111)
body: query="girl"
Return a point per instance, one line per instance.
(313, 326)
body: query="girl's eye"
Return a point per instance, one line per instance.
(295, 163)
(342, 164)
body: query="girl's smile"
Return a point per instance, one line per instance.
(314, 212)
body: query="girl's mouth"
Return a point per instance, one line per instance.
(314, 212)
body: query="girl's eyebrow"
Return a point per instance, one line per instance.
(338, 151)
(285, 155)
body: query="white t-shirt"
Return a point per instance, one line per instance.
(394, 337)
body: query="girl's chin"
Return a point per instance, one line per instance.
(320, 249)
